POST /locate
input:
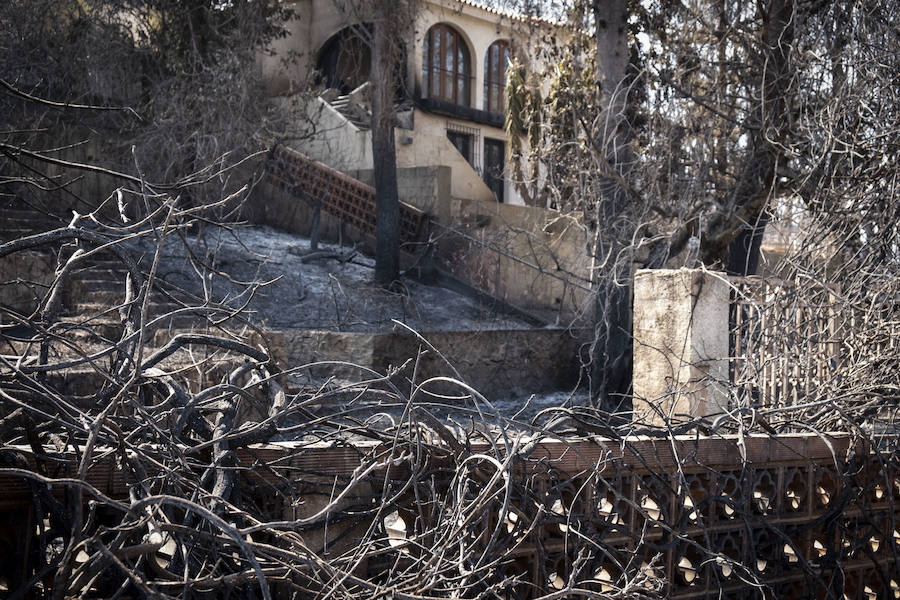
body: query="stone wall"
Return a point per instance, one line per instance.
(531, 258)
(494, 362)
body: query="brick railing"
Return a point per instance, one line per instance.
(349, 200)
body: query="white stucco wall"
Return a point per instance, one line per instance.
(430, 146)
(329, 138)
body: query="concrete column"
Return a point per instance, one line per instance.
(680, 344)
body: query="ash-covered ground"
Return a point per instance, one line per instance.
(266, 267)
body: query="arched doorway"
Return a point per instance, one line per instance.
(345, 60)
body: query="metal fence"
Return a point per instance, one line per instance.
(786, 343)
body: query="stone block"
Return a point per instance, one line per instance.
(680, 344)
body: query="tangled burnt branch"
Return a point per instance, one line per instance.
(141, 458)
(147, 455)
(188, 466)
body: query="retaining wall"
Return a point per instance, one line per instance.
(494, 362)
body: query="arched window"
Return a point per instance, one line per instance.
(495, 63)
(446, 70)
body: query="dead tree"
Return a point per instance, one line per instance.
(385, 52)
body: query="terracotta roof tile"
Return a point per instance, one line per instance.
(509, 14)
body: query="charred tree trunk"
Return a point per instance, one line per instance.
(743, 232)
(387, 245)
(611, 353)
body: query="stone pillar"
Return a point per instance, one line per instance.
(680, 344)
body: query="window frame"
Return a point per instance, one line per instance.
(496, 66)
(438, 81)
(495, 180)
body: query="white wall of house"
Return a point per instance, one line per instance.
(427, 145)
(332, 140)
(340, 145)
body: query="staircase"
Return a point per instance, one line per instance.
(87, 320)
(18, 219)
(96, 286)
(351, 110)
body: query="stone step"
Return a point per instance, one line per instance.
(80, 385)
(99, 275)
(93, 330)
(107, 324)
(345, 106)
(103, 297)
(87, 282)
(100, 271)
(12, 212)
(96, 310)
(16, 230)
(27, 223)
(95, 305)
(109, 289)
(84, 288)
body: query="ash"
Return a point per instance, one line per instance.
(264, 269)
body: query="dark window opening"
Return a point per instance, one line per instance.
(463, 143)
(496, 61)
(345, 61)
(494, 166)
(468, 141)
